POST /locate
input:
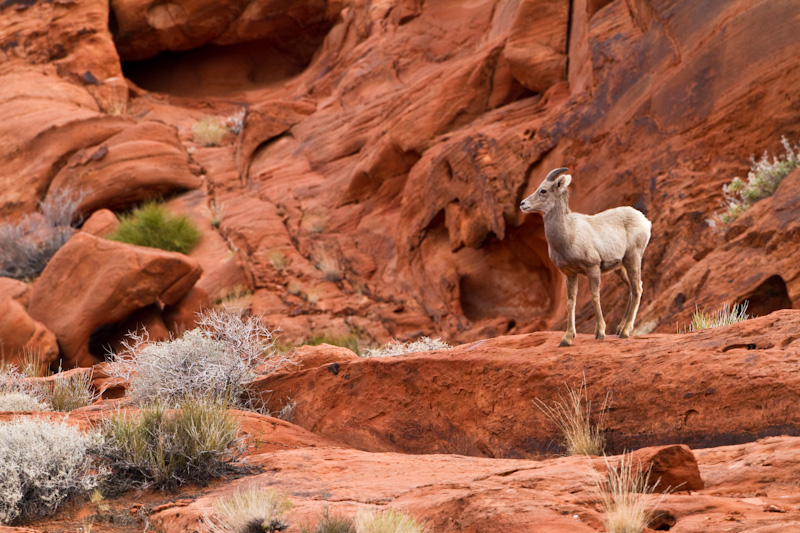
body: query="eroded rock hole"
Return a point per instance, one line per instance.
(212, 70)
(770, 296)
(107, 339)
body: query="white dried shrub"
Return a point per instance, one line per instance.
(42, 464)
(214, 360)
(423, 344)
(26, 245)
(70, 392)
(20, 401)
(14, 381)
(251, 510)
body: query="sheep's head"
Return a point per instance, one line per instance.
(548, 193)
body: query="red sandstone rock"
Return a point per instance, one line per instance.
(15, 289)
(672, 468)
(101, 223)
(711, 387)
(92, 282)
(20, 334)
(323, 354)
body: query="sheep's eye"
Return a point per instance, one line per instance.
(543, 192)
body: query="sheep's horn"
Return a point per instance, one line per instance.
(556, 173)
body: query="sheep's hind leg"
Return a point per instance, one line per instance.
(634, 268)
(594, 288)
(622, 273)
(572, 294)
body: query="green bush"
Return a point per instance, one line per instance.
(762, 181)
(154, 226)
(165, 448)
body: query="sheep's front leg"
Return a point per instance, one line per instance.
(572, 294)
(594, 288)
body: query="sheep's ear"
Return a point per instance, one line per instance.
(563, 182)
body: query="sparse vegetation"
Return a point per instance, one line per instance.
(571, 414)
(20, 401)
(164, 448)
(329, 266)
(27, 244)
(423, 344)
(388, 521)
(250, 511)
(215, 360)
(235, 300)
(762, 181)
(287, 411)
(42, 464)
(68, 393)
(727, 315)
(278, 260)
(209, 131)
(350, 340)
(331, 523)
(625, 495)
(154, 226)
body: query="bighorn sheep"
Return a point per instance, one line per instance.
(591, 245)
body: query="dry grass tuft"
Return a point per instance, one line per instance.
(250, 511)
(423, 344)
(727, 315)
(571, 414)
(626, 496)
(388, 521)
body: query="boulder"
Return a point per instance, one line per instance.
(323, 354)
(21, 334)
(101, 223)
(672, 468)
(15, 289)
(92, 283)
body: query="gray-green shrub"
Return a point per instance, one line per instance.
(215, 360)
(42, 464)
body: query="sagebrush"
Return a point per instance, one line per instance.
(153, 225)
(163, 448)
(42, 464)
(571, 413)
(252, 510)
(26, 245)
(762, 181)
(20, 401)
(214, 360)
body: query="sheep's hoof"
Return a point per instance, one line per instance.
(623, 335)
(565, 342)
(599, 336)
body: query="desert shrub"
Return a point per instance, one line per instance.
(68, 393)
(214, 360)
(625, 495)
(234, 299)
(571, 414)
(154, 226)
(762, 181)
(42, 464)
(12, 380)
(209, 131)
(164, 448)
(287, 411)
(251, 511)
(727, 315)
(388, 521)
(20, 401)
(331, 523)
(423, 344)
(28, 244)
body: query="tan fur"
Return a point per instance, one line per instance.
(613, 240)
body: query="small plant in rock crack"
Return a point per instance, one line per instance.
(388, 521)
(250, 511)
(209, 131)
(571, 414)
(27, 244)
(215, 360)
(762, 181)
(331, 523)
(153, 225)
